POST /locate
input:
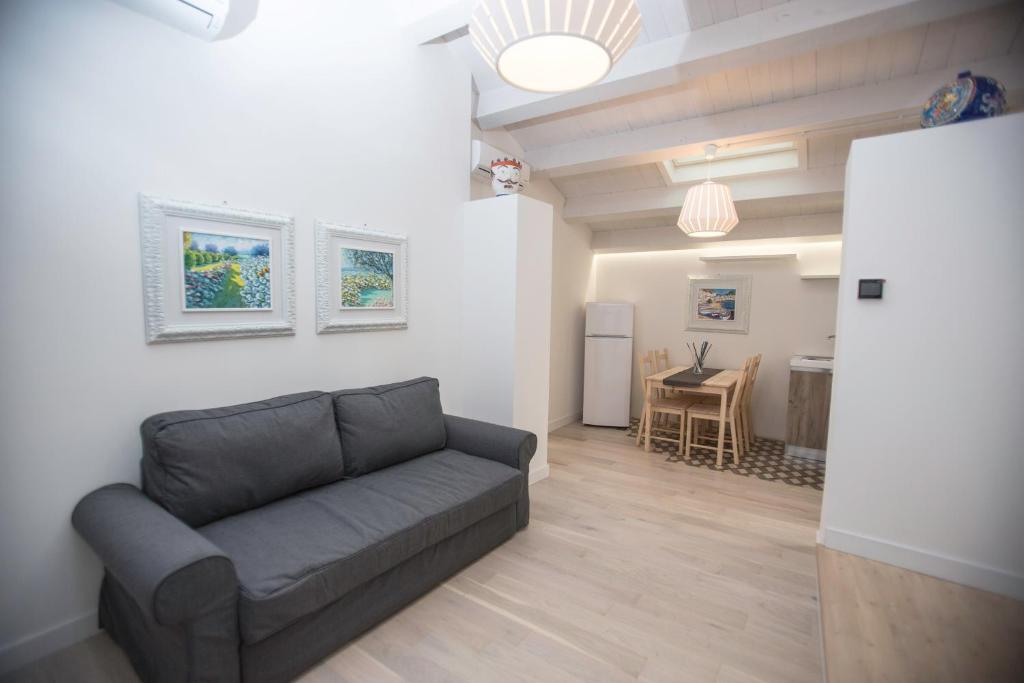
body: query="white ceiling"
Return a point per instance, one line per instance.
(707, 12)
(627, 136)
(938, 45)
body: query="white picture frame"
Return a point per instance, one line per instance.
(333, 314)
(710, 297)
(168, 315)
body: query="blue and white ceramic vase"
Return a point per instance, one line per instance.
(968, 97)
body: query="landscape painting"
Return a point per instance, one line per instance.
(367, 278)
(716, 304)
(225, 272)
(719, 304)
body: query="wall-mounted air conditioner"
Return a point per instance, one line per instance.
(482, 156)
(206, 19)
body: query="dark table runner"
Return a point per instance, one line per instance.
(686, 378)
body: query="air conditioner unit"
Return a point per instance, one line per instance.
(482, 156)
(206, 19)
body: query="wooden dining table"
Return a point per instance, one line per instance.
(718, 384)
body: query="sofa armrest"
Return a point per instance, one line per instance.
(509, 446)
(172, 572)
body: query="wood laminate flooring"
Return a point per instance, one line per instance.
(886, 624)
(632, 569)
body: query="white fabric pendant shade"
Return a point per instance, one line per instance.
(553, 45)
(708, 210)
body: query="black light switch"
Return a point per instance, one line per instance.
(869, 289)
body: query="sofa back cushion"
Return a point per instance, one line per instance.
(202, 465)
(389, 424)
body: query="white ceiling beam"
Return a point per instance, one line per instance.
(886, 100)
(442, 24)
(749, 233)
(782, 31)
(657, 201)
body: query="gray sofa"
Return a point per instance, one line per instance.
(268, 534)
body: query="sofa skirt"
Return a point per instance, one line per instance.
(286, 654)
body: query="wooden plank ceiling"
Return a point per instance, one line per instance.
(742, 87)
(939, 45)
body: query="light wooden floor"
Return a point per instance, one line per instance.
(632, 569)
(883, 623)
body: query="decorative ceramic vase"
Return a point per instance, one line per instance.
(506, 176)
(968, 97)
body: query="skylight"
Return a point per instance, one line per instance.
(737, 152)
(733, 161)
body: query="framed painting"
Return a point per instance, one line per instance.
(215, 272)
(361, 279)
(719, 304)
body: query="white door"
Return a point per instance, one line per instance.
(609, 320)
(607, 375)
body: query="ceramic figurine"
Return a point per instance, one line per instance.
(968, 97)
(506, 176)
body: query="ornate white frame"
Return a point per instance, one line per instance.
(330, 320)
(742, 283)
(153, 212)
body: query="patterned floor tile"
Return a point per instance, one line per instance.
(766, 460)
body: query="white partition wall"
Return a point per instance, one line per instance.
(926, 442)
(506, 315)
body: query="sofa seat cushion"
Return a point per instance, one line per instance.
(299, 554)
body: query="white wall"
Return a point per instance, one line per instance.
(571, 288)
(926, 445)
(506, 302)
(788, 315)
(319, 111)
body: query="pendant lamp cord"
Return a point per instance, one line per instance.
(709, 154)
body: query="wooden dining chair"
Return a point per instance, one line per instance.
(734, 442)
(648, 365)
(661, 359)
(675, 404)
(746, 407)
(661, 363)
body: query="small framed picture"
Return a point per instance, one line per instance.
(719, 304)
(215, 272)
(361, 279)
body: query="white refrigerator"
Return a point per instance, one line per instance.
(608, 364)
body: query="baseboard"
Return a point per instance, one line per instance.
(563, 421)
(37, 645)
(539, 473)
(926, 562)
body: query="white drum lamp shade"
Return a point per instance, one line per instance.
(553, 45)
(708, 211)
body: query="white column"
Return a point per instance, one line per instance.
(506, 315)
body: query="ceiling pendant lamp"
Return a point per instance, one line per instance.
(708, 210)
(553, 45)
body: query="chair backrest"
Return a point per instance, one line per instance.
(742, 384)
(661, 359)
(648, 366)
(753, 374)
(755, 364)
